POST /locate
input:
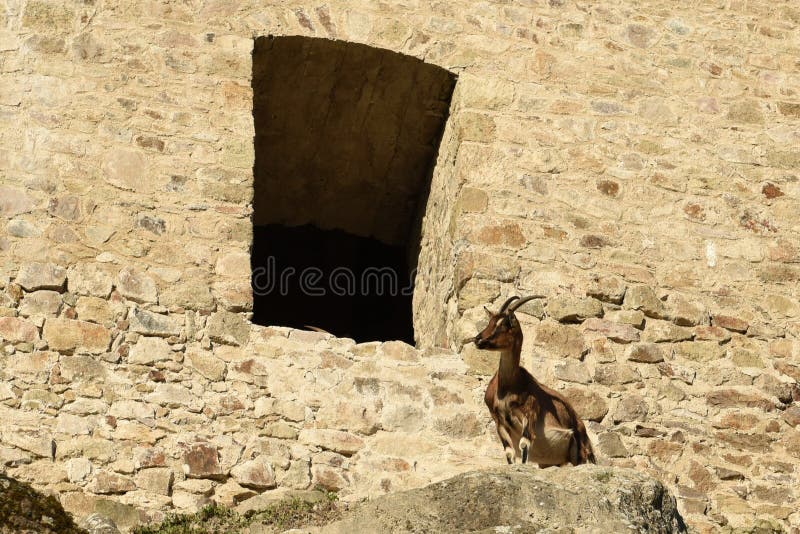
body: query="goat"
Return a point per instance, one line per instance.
(530, 417)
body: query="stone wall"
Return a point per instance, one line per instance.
(636, 165)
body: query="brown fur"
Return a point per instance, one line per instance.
(556, 433)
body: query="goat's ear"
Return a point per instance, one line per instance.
(488, 311)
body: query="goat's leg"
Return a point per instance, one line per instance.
(525, 440)
(505, 438)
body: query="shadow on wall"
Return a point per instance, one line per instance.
(346, 139)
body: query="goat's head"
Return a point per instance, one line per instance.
(503, 328)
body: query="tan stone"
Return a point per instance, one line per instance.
(94, 309)
(643, 298)
(334, 440)
(228, 328)
(156, 480)
(607, 289)
(700, 351)
(562, 340)
(589, 404)
(69, 335)
(256, 474)
(206, 363)
(126, 169)
(18, 330)
(33, 276)
(136, 286)
(619, 333)
(89, 279)
(572, 371)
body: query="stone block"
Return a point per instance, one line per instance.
(607, 288)
(18, 330)
(641, 297)
(33, 276)
(69, 335)
(89, 279)
(333, 440)
(645, 353)
(563, 341)
(572, 371)
(569, 309)
(256, 474)
(205, 363)
(589, 404)
(44, 302)
(136, 286)
(228, 328)
(154, 324)
(619, 333)
(201, 460)
(148, 350)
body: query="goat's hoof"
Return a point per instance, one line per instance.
(509, 455)
(524, 447)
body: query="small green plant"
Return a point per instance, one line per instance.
(603, 476)
(286, 514)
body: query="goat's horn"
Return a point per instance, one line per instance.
(506, 303)
(522, 301)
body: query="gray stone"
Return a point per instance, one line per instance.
(228, 328)
(78, 469)
(611, 446)
(99, 524)
(532, 500)
(22, 228)
(154, 324)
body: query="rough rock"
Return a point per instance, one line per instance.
(643, 298)
(33, 276)
(569, 309)
(154, 324)
(563, 341)
(520, 499)
(229, 328)
(620, 333)
(136, 286)
(69, 335)
(607, 288)
(646, 353)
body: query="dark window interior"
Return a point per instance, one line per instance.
(346, 137)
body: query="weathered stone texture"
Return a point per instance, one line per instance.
(654, 207)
